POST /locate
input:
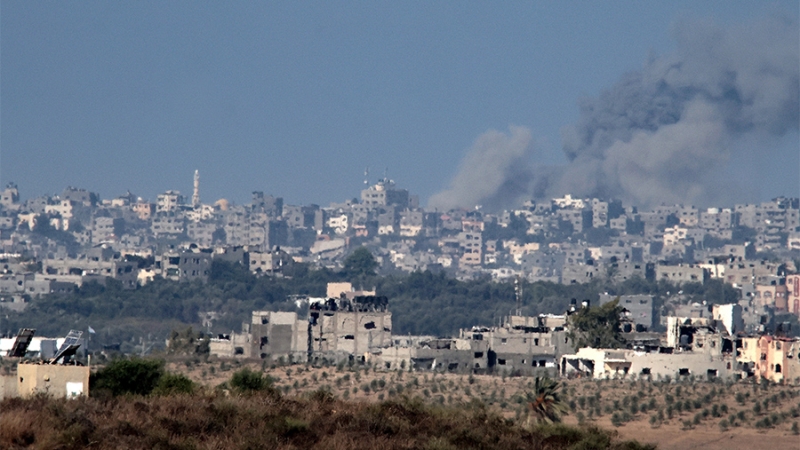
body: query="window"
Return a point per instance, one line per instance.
(501, 362)
(479, 354)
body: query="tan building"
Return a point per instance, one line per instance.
(59, 381)
(776, 359)
(231, 345)
(793, 293)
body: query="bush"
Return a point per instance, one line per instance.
(128, 376)
(246, 380)
(171, 384)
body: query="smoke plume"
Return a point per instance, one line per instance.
(496, 172)
(666, 133)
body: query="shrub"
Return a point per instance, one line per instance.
(171, 384)
(128, 376)
(246, 380)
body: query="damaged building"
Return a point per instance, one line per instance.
(335, 328)
(693, 347)
(434, 354)
(526, 345)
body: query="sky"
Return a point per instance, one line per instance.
(296, 99)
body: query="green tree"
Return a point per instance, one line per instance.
(128, 376)
(597, 327)
(360, 263)
(545, 403)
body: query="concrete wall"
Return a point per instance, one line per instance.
(8, 386)
(53, 379)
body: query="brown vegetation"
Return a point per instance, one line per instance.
(214, 419)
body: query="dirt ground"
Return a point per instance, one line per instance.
(671, 437)
(713, 416)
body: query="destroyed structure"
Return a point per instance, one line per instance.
(356, 327)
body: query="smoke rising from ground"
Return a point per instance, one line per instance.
(495, 172)
(664, 133)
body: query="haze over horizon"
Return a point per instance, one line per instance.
(463, 104)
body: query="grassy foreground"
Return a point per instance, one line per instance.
(216, 420)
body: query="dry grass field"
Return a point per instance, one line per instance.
(689, 414)
(245, 413)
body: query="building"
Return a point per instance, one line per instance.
(169, 201)
(639, 309)
(613, 363)
(231, 345)
(681, 273)
(773, 358)
(336, 328)
(434, 354)
(525, 345)
(384, 193)
(184, 265)
(56, 380)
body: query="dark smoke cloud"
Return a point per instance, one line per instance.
(666, 133)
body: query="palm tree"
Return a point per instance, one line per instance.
(545, 403)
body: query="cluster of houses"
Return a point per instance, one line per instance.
(49, 244)
(356, 326)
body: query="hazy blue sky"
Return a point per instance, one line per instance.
(297, 98)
